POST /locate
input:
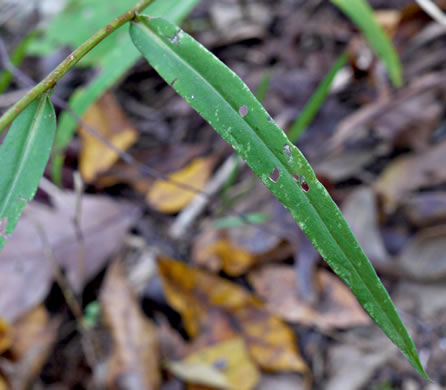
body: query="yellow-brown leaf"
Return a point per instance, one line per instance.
(134, 363)
(108, 119)
(194, 293)
(168, 197)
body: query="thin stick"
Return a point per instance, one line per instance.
(50, 81)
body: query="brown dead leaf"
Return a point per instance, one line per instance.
(5, 336)
(426, 208)
(389, 20)
(424, 258)
(108, 119)
(195, 293)
(134, 364)
(237, 249)
(168, 197)
(226, 364)
(409, 173)
(25, 270)
(34, 335)
(337, 307)
(3, 384)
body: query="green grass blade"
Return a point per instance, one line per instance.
(113, 65)
(23, 156)
(315, 103)
(362, 14)
(222, 98)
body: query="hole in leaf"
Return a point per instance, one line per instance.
(304, 185)
(274, 175)
(296, 177)
(243, 110)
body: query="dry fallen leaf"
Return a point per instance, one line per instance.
(34, 335)
(3, 384)
(409, 173)
(237, 249)
(26, 272)
(225, 365)
(337, 307)
(389, 20)
(168, 197)
(5, 335)
(108, 119)
(195, 293)
(134, 363)
(424, 258)
(426, 208)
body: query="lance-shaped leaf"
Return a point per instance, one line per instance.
(23, 156)
(222, 98)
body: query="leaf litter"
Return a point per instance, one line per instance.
(379, 152)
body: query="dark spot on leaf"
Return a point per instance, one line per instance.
(296, 177)
(274, 175)
(243, 110)
(221, 364)
(304, 185)
(172, 83)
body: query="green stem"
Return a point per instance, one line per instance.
(51, 80)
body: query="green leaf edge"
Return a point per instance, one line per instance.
(363, 15)
(329, 222)
(38, 121)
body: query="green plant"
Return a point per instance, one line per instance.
(222, 98)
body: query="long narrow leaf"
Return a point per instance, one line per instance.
(23, 156)
(362, 14)
(228, 105)
(315, 103)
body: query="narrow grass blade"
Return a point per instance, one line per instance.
(362, 14)
(23, 156)
(222, 98)
(315, 103)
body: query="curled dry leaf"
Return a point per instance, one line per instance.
(225, 365)
(26, 272)
(168, 197)
(195, 293)
(107, 118)
(337, 307)
(134, 363)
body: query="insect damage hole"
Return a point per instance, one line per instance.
(274, 175)
(243, 110)
(304, 185)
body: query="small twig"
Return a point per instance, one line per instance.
(90, 346)
(433, 11)
(196, 207)
(50, 81)
(79, 189)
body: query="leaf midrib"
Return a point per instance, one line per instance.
(309, 203)
(32, 133)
